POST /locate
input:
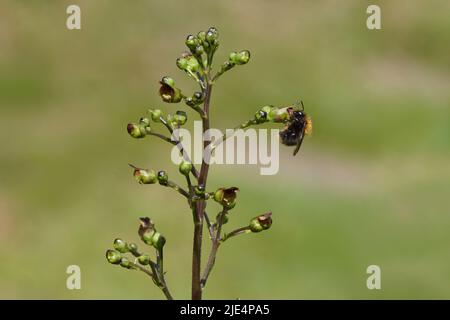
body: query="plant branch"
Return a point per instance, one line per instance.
(225, 136)
(176, 187)
(214, 248)
(209, 225)
(163, 137)
(154, 275)
(236, 232)
(162, 280)
(179, 145)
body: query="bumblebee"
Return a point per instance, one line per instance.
(297, 126)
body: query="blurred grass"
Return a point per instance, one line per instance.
(370, 187)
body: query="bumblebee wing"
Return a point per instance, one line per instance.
(299, 142)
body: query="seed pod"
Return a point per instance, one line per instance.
(113, 256)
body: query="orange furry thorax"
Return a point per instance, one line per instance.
(308, 125)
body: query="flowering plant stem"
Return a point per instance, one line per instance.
(200, 206)
(198, 65)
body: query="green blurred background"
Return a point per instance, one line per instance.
(371, 186)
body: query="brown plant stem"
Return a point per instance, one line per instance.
(200, 205)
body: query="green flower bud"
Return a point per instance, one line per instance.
(201, 36)
(113, 256)
(156, 115)
(261, 222)
(182, 63)
(163, 177)
(133, 248)
(145, 122)
(226, 196)
(196, 99)
(280, 115)
(125, 263)
(144, 176)
(180, 118)
(224, 218)
(168, 92)
(260, 116)
(147, 236)
(185, 167)
(232, 58)
(136, 131)
(199, 50)
(193, 64)
(144, 259)
(191, 42)
(211, 36)
(199, 190)
(240, 58)
(158, 240)
(120, 245)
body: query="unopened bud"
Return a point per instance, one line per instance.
(179, 118)
(144, 259)
(261, 222)
(156, 115)
(133, 248)
(113, 256)
(185, 167)
(191, 42)
(136, 131)
(125, 263)
(144, 176)
(120, 245)
(239, 58)
(163, 177)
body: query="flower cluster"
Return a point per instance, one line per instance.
(197, 64)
